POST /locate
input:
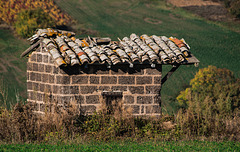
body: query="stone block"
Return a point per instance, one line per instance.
(88, 89)
(64, 90)
(30, 95)
(79, 99)
(103, 88)
(32, 76)
(94, 79)
(153, 109)
(39, 97)
(136, 89)
(74, 89)
(35, 86)
(29, 86)
(128, 99)
(29, 66)
(157, 99)
(119, 88)
(45, 58)
(39, 58)
(41, 67)
(62, 79)
(108, 79)
(48, 68)
(35, 67)
(153, 89)
(42, 87)
(144, 80)
(144, 99)
(79, 79)
(33, 57)
(38, 77)
(66, 100)
(88, 109)
(134, 108)
(157, 79)
(55, 70)
(51, 78)
(126, 80)
(34, 96)
(55, 89)
(48, 88)
(50, 60)
(92, 99)
(45, 78)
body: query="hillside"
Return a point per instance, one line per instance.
(210, 43)
(12, 68)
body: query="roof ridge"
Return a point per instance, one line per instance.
(67, 50)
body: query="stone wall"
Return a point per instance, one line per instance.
(140, 86)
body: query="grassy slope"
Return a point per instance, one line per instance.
(211, 44)
(12, 69)
(129, 146)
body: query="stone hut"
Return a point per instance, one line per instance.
(62, 68)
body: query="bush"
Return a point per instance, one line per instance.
(233, 7)
(218, 85)
(213, 102)
(28, 21)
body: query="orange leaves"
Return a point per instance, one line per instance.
(10, 8)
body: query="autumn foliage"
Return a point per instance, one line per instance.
(36, 13)
(9, 10)
(29, 20)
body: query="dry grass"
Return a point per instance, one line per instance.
(115, 122)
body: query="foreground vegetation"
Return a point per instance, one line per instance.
(208, 121)
(128, 146)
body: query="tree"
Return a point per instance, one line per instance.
(28, 21)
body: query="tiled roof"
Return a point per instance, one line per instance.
(67, 50)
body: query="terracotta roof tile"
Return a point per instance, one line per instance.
(67, 50)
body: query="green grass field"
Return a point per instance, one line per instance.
(12, 68)
(210, 43)
(127, 146)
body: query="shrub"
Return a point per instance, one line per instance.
(28, 21)
(218, 85)
(233, 7)
(213, 100)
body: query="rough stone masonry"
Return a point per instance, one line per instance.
(139, 86)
